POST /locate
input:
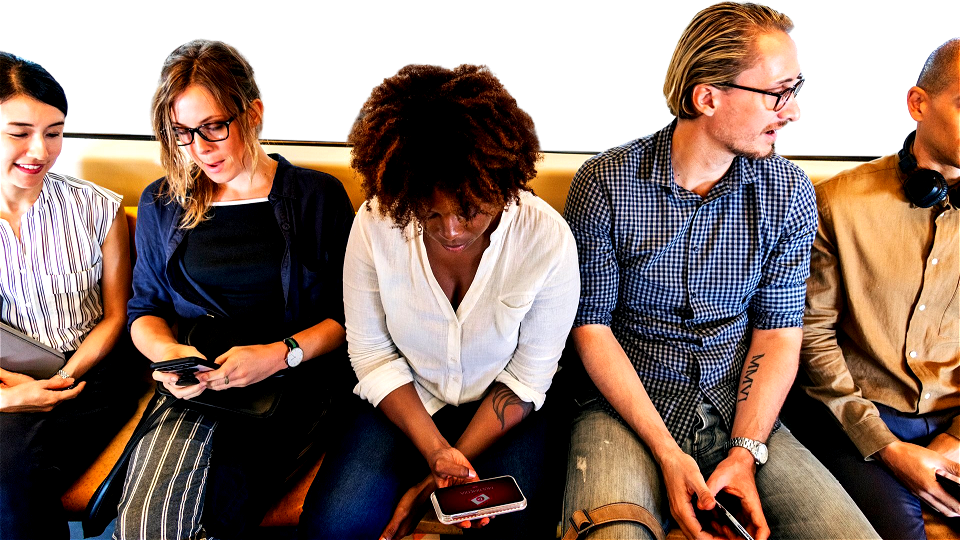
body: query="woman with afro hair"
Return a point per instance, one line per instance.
(460, 287)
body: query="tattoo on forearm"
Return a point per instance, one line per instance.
(747, 382)
(503, 397)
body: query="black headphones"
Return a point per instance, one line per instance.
(923, 187)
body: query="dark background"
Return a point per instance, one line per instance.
(591, 78)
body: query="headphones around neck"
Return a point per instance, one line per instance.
(923, 187)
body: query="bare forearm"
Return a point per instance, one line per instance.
(96, 345)
(320, 338)
(152, 336)
(500, 411)
(768, 372)
(612, 372)
(404, 408)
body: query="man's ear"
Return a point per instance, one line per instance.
(705, 99)
(917, 102)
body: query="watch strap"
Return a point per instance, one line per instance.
(752, 446)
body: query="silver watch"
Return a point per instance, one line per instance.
(757, 448)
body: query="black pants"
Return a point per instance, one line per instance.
(41, 454)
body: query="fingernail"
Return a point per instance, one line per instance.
(471, 474)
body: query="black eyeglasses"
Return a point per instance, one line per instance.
(211, 132)
(782, 97)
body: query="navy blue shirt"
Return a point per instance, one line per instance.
(681, 280)
(314, 214)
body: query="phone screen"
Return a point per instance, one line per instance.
(189, 364)
(468, 498)
(186, 368)
(950, 485)
(722, 513)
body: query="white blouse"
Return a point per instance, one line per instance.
(50, 277)
(510, 327)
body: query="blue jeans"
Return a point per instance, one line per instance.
(892, 508)
(363, 478)
(608, 463)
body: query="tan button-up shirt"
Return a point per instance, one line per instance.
(882, 315)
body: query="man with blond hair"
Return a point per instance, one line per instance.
(880, 343)
(694, 247)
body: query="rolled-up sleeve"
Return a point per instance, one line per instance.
(373, 354)
(150, 288)
(831, 382)
(544, 328)
(779, 300)
(588, 214)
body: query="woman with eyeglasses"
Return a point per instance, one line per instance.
(239, 261)
(64, 282)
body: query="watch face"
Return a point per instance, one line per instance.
(761, 453)
(294, 357)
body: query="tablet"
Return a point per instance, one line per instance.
(23, 354)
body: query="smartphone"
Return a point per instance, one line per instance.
(722, 514)
(483, 498)
(186, 368)
(950, 485)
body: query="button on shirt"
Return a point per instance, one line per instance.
(510, 327)
(50, 277)
(681, 280)
(883, 314)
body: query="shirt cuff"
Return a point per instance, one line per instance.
(383, 380)
(871, 435)
(522, 391)
(774, 321)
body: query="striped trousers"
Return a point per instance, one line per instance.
(166, 482)
(194, 476)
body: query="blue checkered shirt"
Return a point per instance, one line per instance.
(682, 280)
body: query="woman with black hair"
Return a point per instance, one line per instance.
(65, 282)
(460, 286)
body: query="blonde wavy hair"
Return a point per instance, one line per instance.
(228, 77)
(716, 47)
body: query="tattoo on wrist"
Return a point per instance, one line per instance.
(503, 397)
(747, 383)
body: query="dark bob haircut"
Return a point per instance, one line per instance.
(458, 131)
(19, 77)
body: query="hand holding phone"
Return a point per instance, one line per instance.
(475, 500)
(722, 515)
(951, 486)
(186, 368)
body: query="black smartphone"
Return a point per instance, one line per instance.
(950, 485)
(722, 514)
(479, 499)
(186, 368)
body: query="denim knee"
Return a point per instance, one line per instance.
(362, 478)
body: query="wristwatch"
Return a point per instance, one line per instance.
(294, 352)
(757, 448)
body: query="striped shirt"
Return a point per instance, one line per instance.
(50, 277)
(681, 280)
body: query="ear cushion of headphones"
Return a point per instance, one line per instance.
(925, 188)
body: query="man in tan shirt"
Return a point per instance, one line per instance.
(880, 344)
